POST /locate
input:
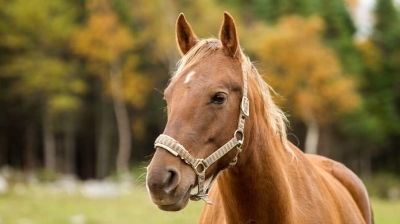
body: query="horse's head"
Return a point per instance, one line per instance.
(204, 101)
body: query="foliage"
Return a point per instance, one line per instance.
(40, 73)
(103, 40)
(339, 27)
(307, 73)
(380, 117)
(56, 60)
(385, 79)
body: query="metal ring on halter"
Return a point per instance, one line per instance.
(203, 167)
(240, 141)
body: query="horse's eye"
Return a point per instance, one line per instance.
(218, 98)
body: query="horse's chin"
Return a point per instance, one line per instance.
(174, 207)
(178, 205)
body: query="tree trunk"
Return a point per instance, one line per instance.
(49, 142)
(312, 136)
(104, 136)
(30, 147)
(3, 150)
(69, 145)
(121, 114)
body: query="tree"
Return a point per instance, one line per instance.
(40, 71)
(306, 72)
(339, 27)
(376, 126)
(104, 41)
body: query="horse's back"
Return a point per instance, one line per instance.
(354, 186)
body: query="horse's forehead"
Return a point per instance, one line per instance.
(213, 68)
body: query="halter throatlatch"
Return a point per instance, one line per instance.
(201, 165)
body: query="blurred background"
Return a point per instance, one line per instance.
(81, 85)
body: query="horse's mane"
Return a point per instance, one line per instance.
(275, 117)
(201, 50)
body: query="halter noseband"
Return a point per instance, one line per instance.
(201, 165)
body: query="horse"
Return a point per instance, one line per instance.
(224, 130)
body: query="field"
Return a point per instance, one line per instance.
(43, 205)
(35, 206)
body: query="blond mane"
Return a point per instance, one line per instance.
(275, 117)
(201, 50)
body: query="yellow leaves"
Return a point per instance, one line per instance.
(104, 41)
(135, 86)
(139, 128)
(310, 29)
(306, 72)
(352, 3)
(136, 89)
(63, 103)
(345, 99)
(103, 38)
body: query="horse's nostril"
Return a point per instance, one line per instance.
(172, 180)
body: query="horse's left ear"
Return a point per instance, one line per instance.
(228, 36)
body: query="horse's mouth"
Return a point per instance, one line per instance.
(179, 205)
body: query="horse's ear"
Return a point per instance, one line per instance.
(228, 36)
(185, 37)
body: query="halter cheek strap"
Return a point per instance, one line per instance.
(201, 165)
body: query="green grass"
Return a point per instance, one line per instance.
(386, 212)
(39, 205)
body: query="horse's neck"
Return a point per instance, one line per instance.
(257, 188)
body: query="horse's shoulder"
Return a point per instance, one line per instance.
(349, 180)
(343, 174)
(323, 162)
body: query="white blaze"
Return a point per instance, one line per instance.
(189, 76)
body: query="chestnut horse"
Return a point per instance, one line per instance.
(221, 115)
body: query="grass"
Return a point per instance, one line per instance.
(386, 212)
(39, 205)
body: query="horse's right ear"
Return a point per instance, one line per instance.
(185, 37)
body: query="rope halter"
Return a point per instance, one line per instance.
(201, 165)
